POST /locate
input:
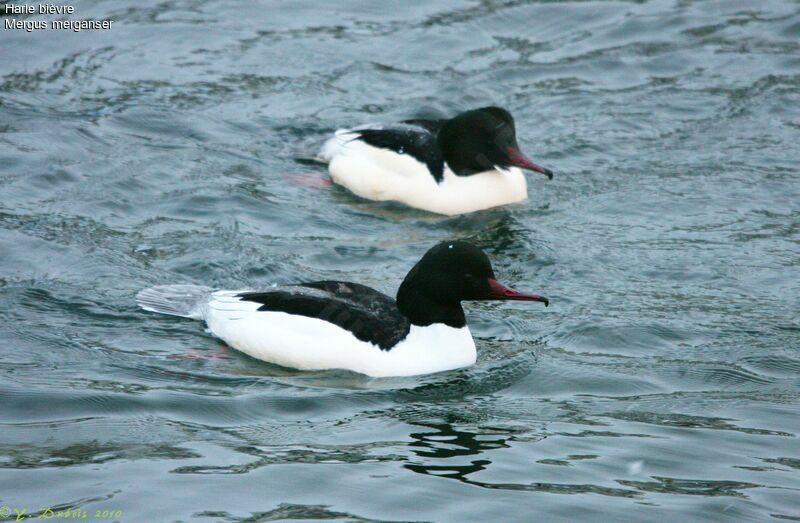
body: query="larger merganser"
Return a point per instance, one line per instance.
(342, 325)
(465, 164)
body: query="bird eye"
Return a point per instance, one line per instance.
(471, 280)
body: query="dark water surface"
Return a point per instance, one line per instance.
(662, 383)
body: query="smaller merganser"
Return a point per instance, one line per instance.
(465, 164)
(342, 325)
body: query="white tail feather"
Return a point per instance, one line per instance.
(187, 301)
(334, 145)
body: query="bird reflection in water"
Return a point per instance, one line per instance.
(444, 442)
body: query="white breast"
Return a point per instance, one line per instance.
(307, 343)
(381, 174)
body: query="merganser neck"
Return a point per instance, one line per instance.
(422, 309)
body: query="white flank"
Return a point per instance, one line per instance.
(382, 174)
(307, 343)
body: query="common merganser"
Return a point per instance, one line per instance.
(343, 325)
(456, 166)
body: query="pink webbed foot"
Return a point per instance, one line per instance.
(309, 180)
(220, 354)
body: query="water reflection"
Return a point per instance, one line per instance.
(443, 441)
(441, 446)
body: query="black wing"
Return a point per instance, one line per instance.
(370, 315)
(416, 140)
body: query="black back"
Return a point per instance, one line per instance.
(416, 140)
(432, 125)
(370, 315)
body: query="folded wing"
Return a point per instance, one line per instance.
(369, 315)
(416, 140)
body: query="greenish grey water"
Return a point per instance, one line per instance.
(662, 383)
